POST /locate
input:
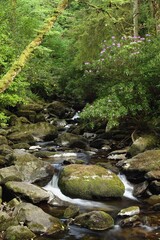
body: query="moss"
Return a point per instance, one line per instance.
(90, 182)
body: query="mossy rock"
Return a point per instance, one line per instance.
(71, 211)
(143, 162)
(95, 220)
(90, 182)
(19, 233)
(142, 144)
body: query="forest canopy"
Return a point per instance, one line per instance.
(100, 52)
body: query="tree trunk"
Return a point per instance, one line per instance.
(21, 61)
(155, 12)
(135, 17)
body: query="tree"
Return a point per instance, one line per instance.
(135, 17)
(20, 63)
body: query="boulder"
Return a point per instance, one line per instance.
(27, 191)
(3, 140)
(90, 182)
(95, 220)
(21, 136)
(72, 140)
(6, 221)
(143, 162)
(60, 109)
(37, 220)
(9, 174)
(31, 132)
(142, 144)
(71, 211)
(153, 175)
(130, 221)
(19, 233)
(130, 211)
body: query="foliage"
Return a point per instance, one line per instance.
(124, 74)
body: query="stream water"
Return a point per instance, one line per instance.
(59, 201)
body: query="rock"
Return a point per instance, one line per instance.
(60, 109)
(19, 155)
(38, 172)
(32, 106)
(37, 220)
(40, 130)
(29, 114)
(7, 221)
(3, 140)
(5, 149)
(27, 190)
(71, 211)
(143, 162)
(90, 182)
(9, 174)
(19, 233)
(130, 211)
(142, 144)
(153, 175)
(21, 136)
(155, 187)
(140, 189)
(72, 140)
(95, 220)
(130, 222)
(154, 199)
(21, 146)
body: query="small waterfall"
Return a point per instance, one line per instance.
(128, 187)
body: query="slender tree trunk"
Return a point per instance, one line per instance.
(135, 17)
(21, 61)
(155, 13)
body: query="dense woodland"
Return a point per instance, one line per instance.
(102, 53)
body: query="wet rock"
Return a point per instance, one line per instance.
(27, 191)
(37, 220)
(95, 220)
(140, 189)
(19, 233)
(117, 155)
(72, 140)
(32, 106)
(143, 143)
(90, 182)
(130, 211)
(130, 221)
(71, 211)
(109, 166)
(151, 220)
(143, 162)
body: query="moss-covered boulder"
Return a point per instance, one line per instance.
(6, 221)
(143, 162)
(60, 109)
(72, 140)
(37, 220)
(90, 182)
(142, 144)
(95, 220)
(9, 174)
(130, 211)
(29, 132)
(71, 211)
(19, 233)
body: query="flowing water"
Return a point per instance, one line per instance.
(58, 203)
